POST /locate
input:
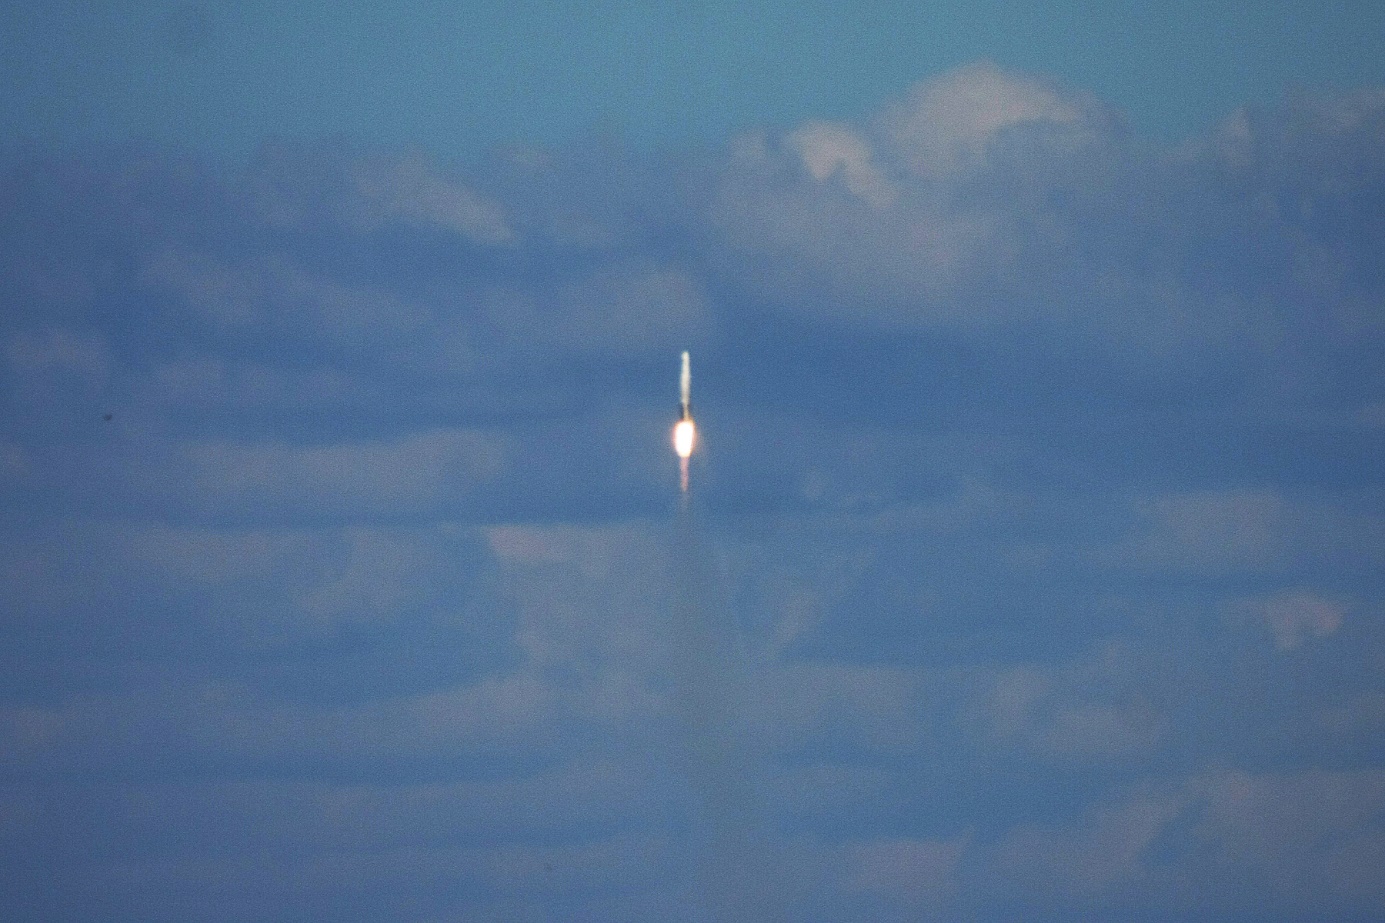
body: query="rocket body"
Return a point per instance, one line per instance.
(684, 431)
(685, 387)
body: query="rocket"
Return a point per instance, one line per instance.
(684, 431)
(685, 388)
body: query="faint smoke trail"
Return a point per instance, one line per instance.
(738, 874)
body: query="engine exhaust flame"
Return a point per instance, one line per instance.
(684, 437)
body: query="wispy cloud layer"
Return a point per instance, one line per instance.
(1039, 499)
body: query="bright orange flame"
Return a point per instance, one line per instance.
(684, 436)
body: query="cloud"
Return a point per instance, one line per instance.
(1236, 527)
(1006, 410)
(875, 709)
(1084, 710)
(808, 792)
(1303, 840)
(990, 205)
(378, 579)
(515, 714)
(270, 294)
(322, 188)
(1108, 851)
(214, 556)
(828, 150)
(919, 872)
(609, 311)
(835, 253)
(210, 384)
(56, 374)
(303, 581)
(1294, 617)
(1247, 531)
(84, 355)
(245, 847)
(407, 189)
(591, 599)
(950, 123)
(1310, 839)
(410, 472)
(919, 241)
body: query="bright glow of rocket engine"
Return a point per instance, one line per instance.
(684, 437)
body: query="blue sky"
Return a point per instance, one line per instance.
(1033, 563)
(463, 76)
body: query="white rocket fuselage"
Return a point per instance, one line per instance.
(685, 387)
(685, 431)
